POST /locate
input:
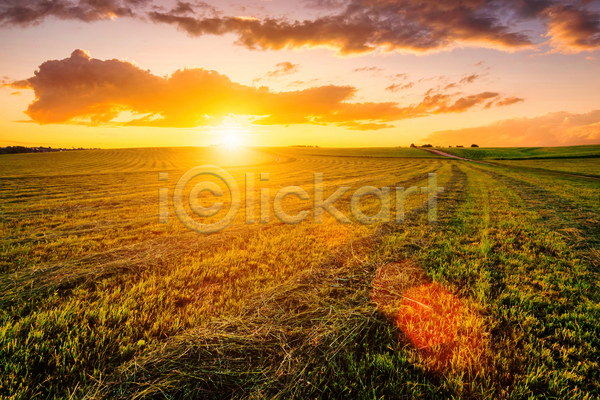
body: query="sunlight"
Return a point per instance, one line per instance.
(231, 138)
(445, 333)
(232, 132)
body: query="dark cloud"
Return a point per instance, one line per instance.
(182, 8)
(365, 26)
(27, 12)
(354, 26)
(554, 129)
(573, 29)
(410, 25)
(80, 88)
(326, 4)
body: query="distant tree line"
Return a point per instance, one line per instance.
(40, 149)
(428, 145)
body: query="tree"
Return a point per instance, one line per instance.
(474, 145)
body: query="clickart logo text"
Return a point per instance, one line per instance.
(320, 205)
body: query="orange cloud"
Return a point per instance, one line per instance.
(396, 87)
(509, 101)
(80, 88)
(464, 103)
(403, 76)
(573, 29)
(553, 129)
(300, 83)
(283, 68)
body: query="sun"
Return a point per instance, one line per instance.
(231, 139)
(232, 132)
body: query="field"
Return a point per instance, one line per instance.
(526, 153)
(577, 166)
(497, 299)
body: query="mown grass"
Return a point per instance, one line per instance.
(396, 152)
(526, 153)
(97, 280)
(578, 166)
(497, 300)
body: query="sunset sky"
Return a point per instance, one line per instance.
(335, 73)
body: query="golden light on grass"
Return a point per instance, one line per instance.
(445, 333)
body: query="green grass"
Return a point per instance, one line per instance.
(526, 153)
(400, 152)
(577, 166)
(100, 301)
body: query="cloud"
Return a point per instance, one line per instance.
(183, 8)
(450, 86)
(325, 4)
(355, 26)
(283, 69)
(573, 29)
(553, 129)
(368, 69)
(403, 76)
(363, 26)
(396, 87)
(465, 103)
(81, 88)
(366, 25)
(469, 79)
(28, 12)
(361, 126)
(509, 101)
(300, 83)
(464, 81)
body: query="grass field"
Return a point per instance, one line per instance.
(498, 299)
(526, 153)
(576, 166)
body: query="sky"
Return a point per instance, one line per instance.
(330, 73)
